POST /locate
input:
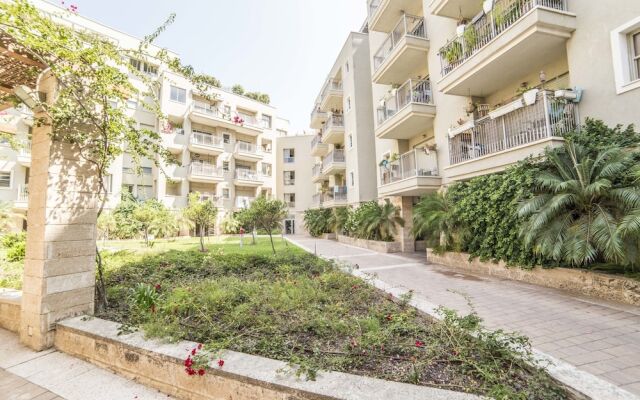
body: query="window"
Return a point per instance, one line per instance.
(173, 189)
(146, 170)
(289, 178)
(225, 166)
(108, 183)
(352, 178)
(281, 132)
(145, 192)
(127, 189)
(350, 141)
(226, 138)
(289, 156)
(178, 94)
(225, 193)
(5, 179)
(634, 39)
(266, 121)
(290, 199)
(143, 66)
(127, 170)
(132, 104)
(348, 104)
(227, 110)
(266, 169)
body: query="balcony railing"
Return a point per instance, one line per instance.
(547, 117)
(336, 156)
(245, 147)
(23, 193)
(332, 84)
(207, 170)
(317, 199)
(411, 92)
(335, 121)
(409, 25)
(316, 171)
(244, 201)
(316, 141)
(247, 175)
(373, 6)
(206, 108)
(337, 193)
(317, 112)
(250, 120)
(409, 165)
(24, 148)
(486, 27)
(205, 139)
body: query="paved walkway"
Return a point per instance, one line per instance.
(596, 337)
(51, 375)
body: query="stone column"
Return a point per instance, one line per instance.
(59, 273)
(407, 242)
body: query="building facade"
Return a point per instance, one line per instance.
(464, 88)
(342, 116)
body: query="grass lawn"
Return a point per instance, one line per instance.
(301, 309)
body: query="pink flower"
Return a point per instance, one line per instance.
(419, 343)
(201, 372)
(188, 362)
(193, 352)
(220, 363)
(199, 346)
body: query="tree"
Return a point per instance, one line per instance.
(434, 215)
(339, 219)
(202, 213)
(164, 224)
(148, 215)
(582, 212)
(377, 222)
(316, 221)
(238, 89)
(106, 225)
(89, 112)
(247, 220)
(269, 215)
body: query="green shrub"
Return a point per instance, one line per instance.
(15, 243)
(317, 221)
(11, 239)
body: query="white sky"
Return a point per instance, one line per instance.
(281, 47)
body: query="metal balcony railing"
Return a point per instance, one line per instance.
(332, 84)
(411, 92)
(23, 193)
(316, 171)
(244, 147)
(205, 139)
(206, 108)
(337, 193)
(207, 170)
(317, 112)
(547, 117)
(411, 164)
(247, 175)
(409, 25)
(335, 121)
(24, 149)
(336, 156)
(316, 141)
(486, 27)
(250, 120)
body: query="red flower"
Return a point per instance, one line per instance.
(389, 317)
(158, 287)
(188, 362)
(193, 352)
(199, 346)
(220, 363)
(201, 372)
(419, 343)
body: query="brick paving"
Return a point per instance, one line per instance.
(597, 337)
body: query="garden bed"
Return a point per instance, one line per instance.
(603, 286)
(302, 310)
(380, 247)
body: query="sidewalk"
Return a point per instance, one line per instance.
(598, 338)
(51, 375)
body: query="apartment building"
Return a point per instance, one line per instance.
(463, 88)
(344, 145)
(223, 142)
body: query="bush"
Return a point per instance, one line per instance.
(15, 243)
(317, 221)
(230, 225)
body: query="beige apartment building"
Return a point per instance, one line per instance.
(462, 88)
(224, 147)
(344, 147)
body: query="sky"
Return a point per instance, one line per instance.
(284, 48)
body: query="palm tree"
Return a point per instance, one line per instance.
(380, 222)
(434, 216)
(583, 212)
(316, 222)
(338, 219)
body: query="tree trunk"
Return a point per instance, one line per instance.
(146, 237)
(271, 239)
(202, 239)
(253, 236)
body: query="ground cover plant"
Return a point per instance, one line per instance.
(301, 309)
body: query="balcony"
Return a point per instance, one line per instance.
(316, 200)
(384, 14)
(243, 202)
(510, 134)
(333, 130)
(174, 140)
(205, 173)
(331, 98)
(22, 200)
(318, 148)
(403, 54)
(412, 174)
(316, 173)
(517, 38)
(248, 152)
(205, 143)
(24, 153)
(176, 173)
(335, 197)
(318, 117)
(334, 163)
(247, 177)
(407, 112)
(456, 9)
(208, 114)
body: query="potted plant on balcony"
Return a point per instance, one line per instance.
(470, 37)
(453, 52)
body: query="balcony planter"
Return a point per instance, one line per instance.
(506, 109)
(487, 6)
(453, 132)
(530, 96)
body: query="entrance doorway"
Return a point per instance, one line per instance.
(289, 226)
